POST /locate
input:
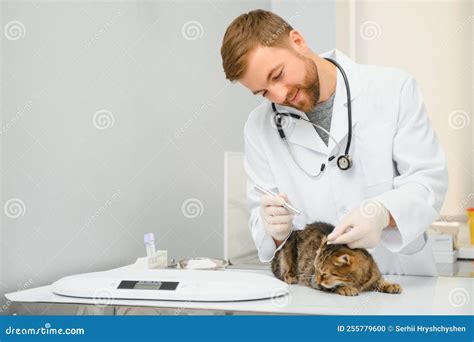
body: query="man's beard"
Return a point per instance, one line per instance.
(310, 88)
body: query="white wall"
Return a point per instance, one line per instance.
(315, 20)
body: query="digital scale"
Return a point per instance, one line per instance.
(171, 284)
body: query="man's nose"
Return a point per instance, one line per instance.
(279, 93)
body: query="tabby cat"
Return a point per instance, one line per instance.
(306, 259)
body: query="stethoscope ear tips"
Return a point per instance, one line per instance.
(344, 162)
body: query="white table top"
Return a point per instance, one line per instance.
(421, 296)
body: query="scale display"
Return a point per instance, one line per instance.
(147, 285)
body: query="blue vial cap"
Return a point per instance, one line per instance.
(150, 237)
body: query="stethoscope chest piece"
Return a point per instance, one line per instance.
(344, 162)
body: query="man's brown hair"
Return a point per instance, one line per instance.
(246, 32)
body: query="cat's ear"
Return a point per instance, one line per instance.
(343, 259)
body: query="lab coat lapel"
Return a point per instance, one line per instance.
(339, 120)
(300, 132)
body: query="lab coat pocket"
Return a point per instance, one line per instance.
(421, 262)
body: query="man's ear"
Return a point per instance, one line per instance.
(298, 42)
(343, 259)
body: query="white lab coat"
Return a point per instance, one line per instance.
(396, 159)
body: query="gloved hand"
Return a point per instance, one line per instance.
(362, 227)
(277, 220)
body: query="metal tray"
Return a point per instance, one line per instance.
(202, 264)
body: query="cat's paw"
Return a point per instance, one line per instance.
(347, 291)
(392, 288)
(290, 278)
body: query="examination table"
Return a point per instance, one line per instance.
(441, 295)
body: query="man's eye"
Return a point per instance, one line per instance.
(264, 93)
(278, 76)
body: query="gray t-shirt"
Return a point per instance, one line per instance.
(321, 115)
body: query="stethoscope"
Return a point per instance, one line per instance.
(344, 161)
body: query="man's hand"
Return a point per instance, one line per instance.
(277, 220)
(362, 227)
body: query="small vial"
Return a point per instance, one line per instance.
(149, 240)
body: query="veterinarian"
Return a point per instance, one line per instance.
(380, 175)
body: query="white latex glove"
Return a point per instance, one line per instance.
(277, 220)
(362, 227)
